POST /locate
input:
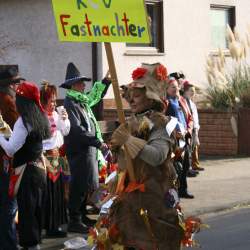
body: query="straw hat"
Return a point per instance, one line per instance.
(152, 77)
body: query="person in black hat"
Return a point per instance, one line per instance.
(179, 77)
(83, 144)
(9, 79)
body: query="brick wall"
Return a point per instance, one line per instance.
(216, 134)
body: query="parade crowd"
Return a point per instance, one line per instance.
(51, 158)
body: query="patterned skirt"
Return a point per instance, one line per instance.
(57, 182)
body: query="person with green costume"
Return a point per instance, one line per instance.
(84, 144)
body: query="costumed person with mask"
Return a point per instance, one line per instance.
(9, 79)
(83, 145)
(56, 165)
(144, 215)
(29, 179)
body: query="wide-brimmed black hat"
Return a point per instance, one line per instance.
(9, 75)
(73, 75)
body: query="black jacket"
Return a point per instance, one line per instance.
(79, 138)
(81, 147)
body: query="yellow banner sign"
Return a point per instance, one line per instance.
(101, 20)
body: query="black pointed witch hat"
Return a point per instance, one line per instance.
(73, 75)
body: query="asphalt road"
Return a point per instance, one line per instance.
(230, 231)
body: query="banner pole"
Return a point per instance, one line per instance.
(118, 100)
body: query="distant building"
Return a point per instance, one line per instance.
(184, 32)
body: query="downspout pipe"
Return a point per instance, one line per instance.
(98, 109)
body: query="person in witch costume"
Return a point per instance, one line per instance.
(145, 215)
(56, 165)
(9, 79)
(83, 144)
(29, 179)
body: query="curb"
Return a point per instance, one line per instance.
(213, 211)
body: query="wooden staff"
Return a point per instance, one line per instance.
(118, 100)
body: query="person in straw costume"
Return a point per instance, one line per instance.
(144, 215)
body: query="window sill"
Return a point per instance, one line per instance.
(147, 51)
(216, 53)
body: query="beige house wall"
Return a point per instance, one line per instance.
(187, 40)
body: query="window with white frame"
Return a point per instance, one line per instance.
(155, 15)
(221, 16)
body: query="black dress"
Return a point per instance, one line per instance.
(55, 209)
(31, 193)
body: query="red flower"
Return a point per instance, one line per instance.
(113, 167)
(161, 73)
(192, 226)
(139, 73)
(103, 174)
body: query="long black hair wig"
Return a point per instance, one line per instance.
(33, 118)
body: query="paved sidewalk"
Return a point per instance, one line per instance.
(224, 184)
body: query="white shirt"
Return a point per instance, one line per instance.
(62, 129)
(17, 139)
(195, 115)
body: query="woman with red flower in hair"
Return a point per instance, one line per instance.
(144, 215)
(57, 166)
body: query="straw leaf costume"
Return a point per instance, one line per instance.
(144, 215)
